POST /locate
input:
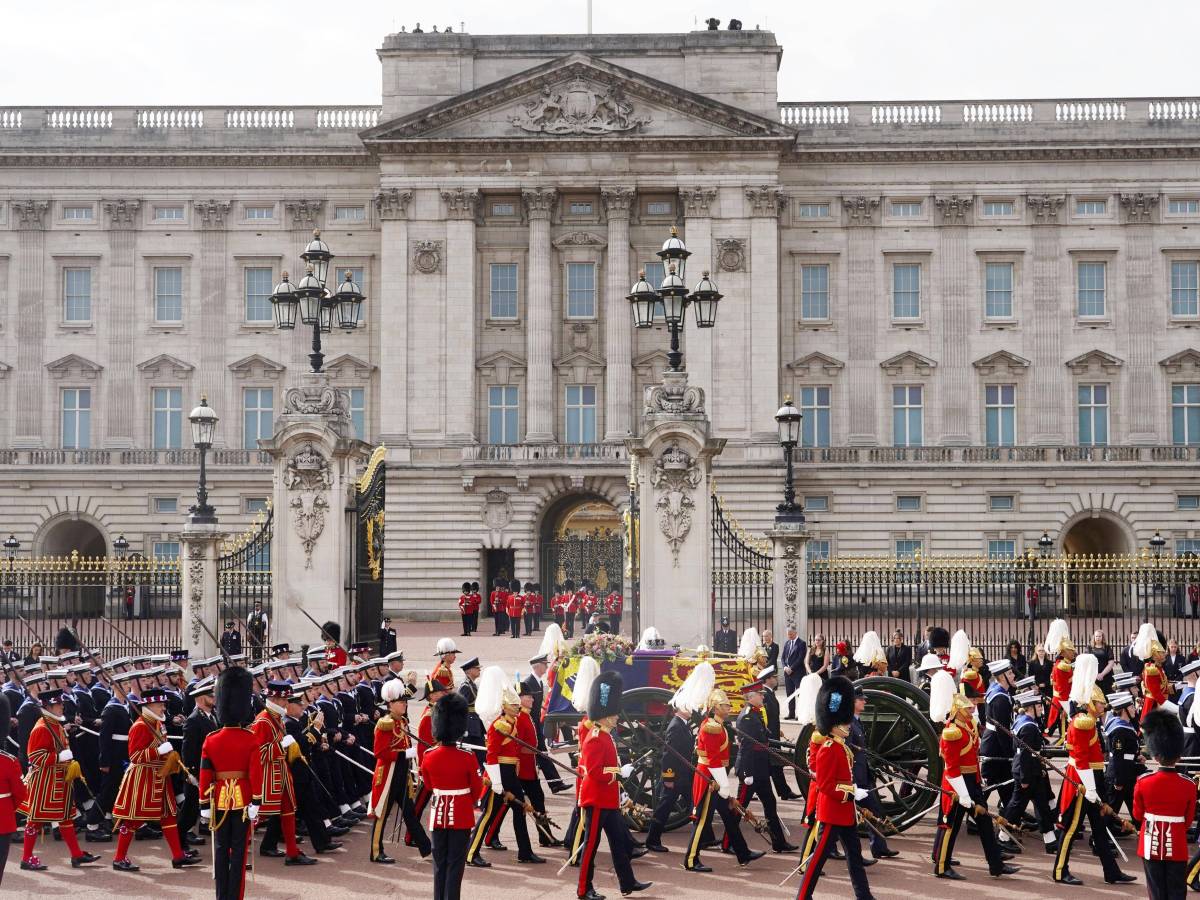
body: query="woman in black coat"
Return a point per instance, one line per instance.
(1039, 667)
(770, 648)
(1017, 660)
(899, 657)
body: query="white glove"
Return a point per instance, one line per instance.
(721, 777)
(626, 770)
(860, 794)
(206, 813)
(1088, 779)
(749, 779)
(287, 741)
(164, 748)
(733, 788)
(493, 771)
(960, 787)
(179, 798)
(66, 756)
(252, 812)
(410, 753)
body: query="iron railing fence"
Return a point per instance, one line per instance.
(243, 579)
(742, 574)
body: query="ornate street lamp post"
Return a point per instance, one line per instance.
(788, 419)
(1157, 543)
(11, 546)
(1045, 545)
(120, 547)
(316, 305)
(204, 430)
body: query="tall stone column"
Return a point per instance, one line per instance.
(539, 319)
(696, 204)
(862, 364)
(956, 316)
(216, 309)
(618, 326)
(120, 430)
(29, 218)
(391, 314)
(672, 459)
(198, 583)
(315, 458)
(1048, 383)
(791, 579)
(1138, 215)
(461, 205)
(766, 203)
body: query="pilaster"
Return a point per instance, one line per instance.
(539, 319)
(696, 204)
(392, 313)
(1050, 386)
(120, 430)
(216, 308)
(790, 579)
(955, 317)
(618, 328)
(461, 206)
(198, 584)
(1138, 215)
(29, 218)
(766, 203)
(862, 381)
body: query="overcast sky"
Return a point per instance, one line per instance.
(65, 52)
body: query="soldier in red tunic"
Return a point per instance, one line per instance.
(12, 789)
(447, 653)
(570, 607)
(464, 607)
(434, 691)
(614, 603)
(1164, 805)
(515, 608)
(452, 776)
(1156, 685)
(1058, 644)
(390, 785)
(600, 791)
(146, 793)
(230, 775)
(331, 634)
(49, 782)
(498, 605)
(275, 796)
(832, 766)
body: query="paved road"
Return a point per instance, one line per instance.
(347, 873)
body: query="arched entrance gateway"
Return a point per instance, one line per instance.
(581, 540)
(1092, 534)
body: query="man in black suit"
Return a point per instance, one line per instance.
(725, 639)
(387, 637)
(675, 779)
(770, 680)
(199, 724)
(536, 688)
(231, 639)
(791, 663)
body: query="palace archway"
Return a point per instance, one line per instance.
(581, 539)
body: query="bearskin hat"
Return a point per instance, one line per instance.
(450, 719)
(1164, 736)
(466, 587)
(939, 637)
(529, 587)
(333, 631)
(234, 686)
(474, 585)
(604, 698)
(835, 704)
(5, 719)
(65, 640)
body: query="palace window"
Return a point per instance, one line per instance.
(580, 208)
(168, 214)
(814, 427)
(1091, 278)
(812, 211)
(258, 294)
(165, 551)
(906, 291)
(1187, 545)
(814, 292)
(257, 505)
(349, 214)
(907, 415)
(581, 290)
(79, 213)
(908, 503)
(258, 415)
(503, 291)
(998, 208)
(817, 549)
(1187, 502)
(168, 294)
(655, 272)
(1186, 206)
(1000, 414)
(998, 290)
(77, 295)
(358, 412)
(76, 418)
(1185, 414)
(907, 548)
(1002, 549)
(1093, 414)
(1185, 288)
(504, 412)
(168, 418)
(816, 502)
(166, 504)
(906, 209)
(581, 414)
(260, 212)
(1091, 207)
(1001, 503)
(504, 208)
(659, 207)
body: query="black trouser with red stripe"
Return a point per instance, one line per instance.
(826, 835)
(595, 821)
(424, 795)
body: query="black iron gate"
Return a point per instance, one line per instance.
(365, 581)
(244, 579)
(742, 574)
(597, 557)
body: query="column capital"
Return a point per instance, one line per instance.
(954, 208)
(1139, 208)
(461, 203)
(304, 213)
(860, 210)
(539, 202)
(31, 214)
(696, 201)
(618, 201)
(766, 200)
(392, 203)
(122, 213)
(1044, 207)
(212, 213)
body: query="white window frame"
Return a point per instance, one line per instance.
(81, 414)
(86, 212)
(988, 213)
(354, 213)
(815, 209)
(568, 267)
(912, 546)
(1189, 439)
(173, 439)
(906, 209)
(907, 407)
(821, 505)
(988, 290)
(498, 403)
(359, 421)
(163, 551)
(1192, 504)
(990, 550)
(580, 412)
(261, 430)
(507, 209)
(1092, 408)
(809, 425)
(1194, 288)
(1080, 265)
(160, 211)
(69, 298)
(1191, 206)
(808, 315)
(1002, 410)
(659, 213)
(159, 295)
(818, 548)
(493, 269)
(895, 268)
(164, 506)
(270, 313)
(258, 212)
(910, 508)
(1011, 501)
(1090, 207)
(255, 505)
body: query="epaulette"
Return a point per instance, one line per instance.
(386, 723)
(951, 732)
(711, 727)
(1150, 669)
(1064, 666)
(503, 726)
(817, 737)
(1084, 721)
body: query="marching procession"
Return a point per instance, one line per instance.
(306, 745)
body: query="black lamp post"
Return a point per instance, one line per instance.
(673, 294)
(314, 303)
(120, 547)
(1045, 545)
(11, 546)
(1157, 543)
(204, 430)
(789, 418)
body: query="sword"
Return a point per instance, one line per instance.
(353, 762)
(136, 644)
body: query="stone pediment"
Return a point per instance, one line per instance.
(501, 365)
(1095, 360)
(580, 364)
(164, 364)
(349, 366)
(908, 363)
(1001, 361)
(1184, 361)
(816, 363)
(648, 364)
(573, 98)
(74, 366)
(256, 366)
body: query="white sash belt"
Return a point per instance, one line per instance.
(1154, 817)
(120, 737)
(990, 727)
(5, 796)
(456, 792)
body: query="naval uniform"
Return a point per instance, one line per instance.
(995, 746)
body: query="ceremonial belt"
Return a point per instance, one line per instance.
(230, 776)
(508, 760)
(989, 727)
(1129, 756)
(1187, 730)
(973, 770)
(5, 796)
(704, 760)
(1154, 817)
(120, 737)
(450, 792)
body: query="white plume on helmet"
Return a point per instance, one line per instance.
(1055, 635)
(1143, 644)
(490, 699)
(692, 696)
(1083, 679)
(393, 689)
(941, 695)
(446, 645)
(960, 649)
(869, 649)
(750, 644)
(806, 698)
(588, 671)
(554, 645)
(649, 638)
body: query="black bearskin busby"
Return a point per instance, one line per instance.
(332, 631)
(939, 637)
(604, 699)
(570, 585)
(233, 696)
(474, 585)
(450, 719)
(529, 587)
(466, 587)
(1164, 736)
(835, 704)
(5, 720)
(65, 641)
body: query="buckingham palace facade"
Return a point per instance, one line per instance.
(988, 312)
